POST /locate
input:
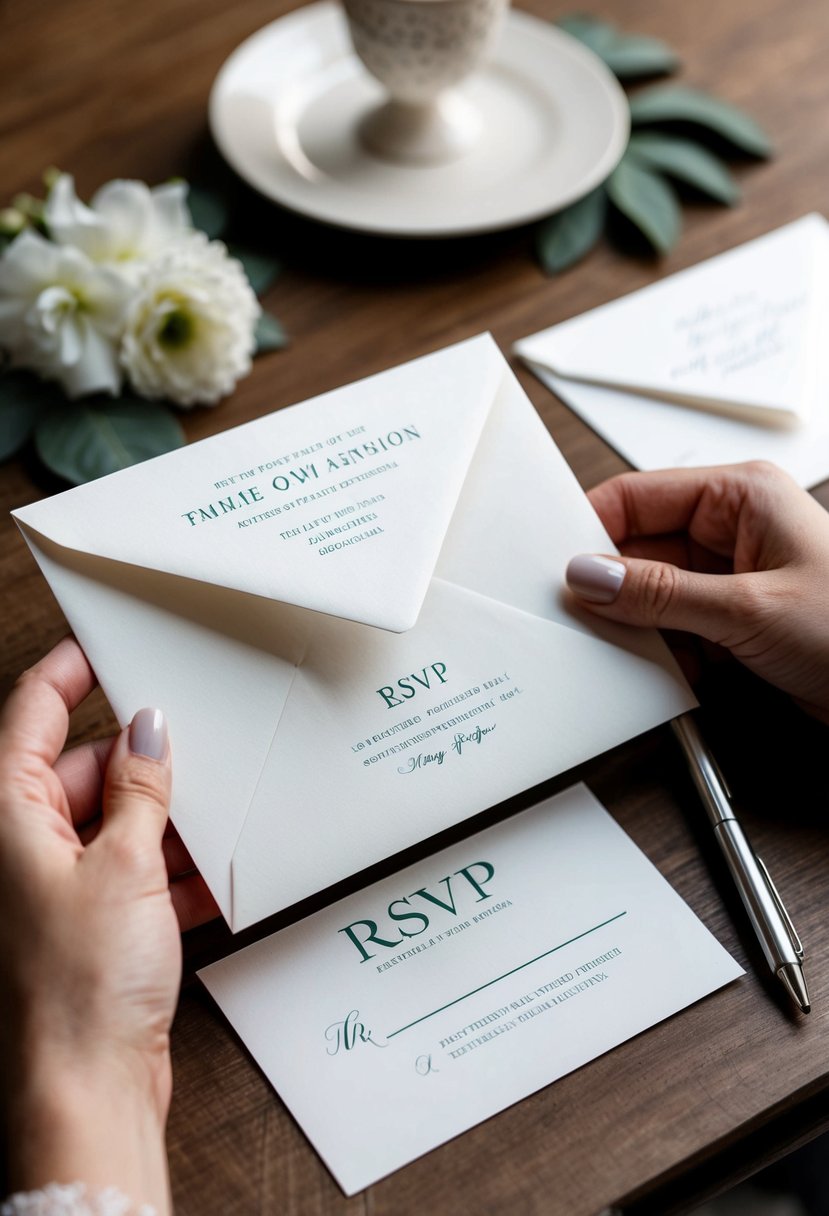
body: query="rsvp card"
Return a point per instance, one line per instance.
(464, 983)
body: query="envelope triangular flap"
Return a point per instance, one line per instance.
(735, 333)
(310, 505)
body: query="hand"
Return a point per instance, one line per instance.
(90, 951)
(738, 554)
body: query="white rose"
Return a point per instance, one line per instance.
(60, 315)
(126, 224)
(189, 332)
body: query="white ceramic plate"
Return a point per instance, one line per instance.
(285, 107)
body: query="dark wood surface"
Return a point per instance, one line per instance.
(107, 88)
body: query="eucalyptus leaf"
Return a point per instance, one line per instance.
(633, 55)
(595, 34)
(627, 55)
(23, 400)
(647, 201)
(82, 440)
(269, 334)
(567, 237)
(208, 211)
(677, 103)
(687, 162)
(260, 268)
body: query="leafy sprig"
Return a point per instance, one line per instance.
(670, 125)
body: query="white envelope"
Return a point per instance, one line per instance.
(352, 613)
(739, 336)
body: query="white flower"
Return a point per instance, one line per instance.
(190, 328)
(126, 224)
(60, 315)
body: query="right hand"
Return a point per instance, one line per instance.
(738, 554)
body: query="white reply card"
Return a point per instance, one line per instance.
(324, 599)
(460, 985)
(722, 362)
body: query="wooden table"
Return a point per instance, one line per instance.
(120, 89)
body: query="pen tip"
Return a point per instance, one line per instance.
(791, 975)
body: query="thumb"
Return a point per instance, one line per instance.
(638, 592)
(137, 783)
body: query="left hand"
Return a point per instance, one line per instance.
(90, 949)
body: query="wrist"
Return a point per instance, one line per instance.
(97, 1124)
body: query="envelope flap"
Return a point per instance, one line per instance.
(737, 330)
(310, 505)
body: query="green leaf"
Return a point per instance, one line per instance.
(83, 440)
(595, 34)
(269, 334)
(676, 103)
(567, 237)
(23, 400)
(633, 55)
(260, 268)
(208, 211)
(687, 162)
(627, 55)
(647, 201)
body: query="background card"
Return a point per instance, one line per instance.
(748, 323)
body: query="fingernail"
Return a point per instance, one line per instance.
(148, 734)
(598, 579)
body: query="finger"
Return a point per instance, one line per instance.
(648, 504)
(178, 862)
(637, 592)
(679, 551)
(35, 719)
(705, 561)
(137, 784)
(674, 548)
(88, 831)
(193, 903)
(191, 898)
(176, 856)
(81, 773)
(706, 502)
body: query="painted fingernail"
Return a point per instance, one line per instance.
(598, 579)
(148, 734)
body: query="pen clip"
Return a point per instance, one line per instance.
(781, 908)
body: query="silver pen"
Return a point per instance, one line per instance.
(769, 918)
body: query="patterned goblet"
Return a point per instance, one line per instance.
(420, 50)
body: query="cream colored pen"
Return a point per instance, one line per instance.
(769, 918)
